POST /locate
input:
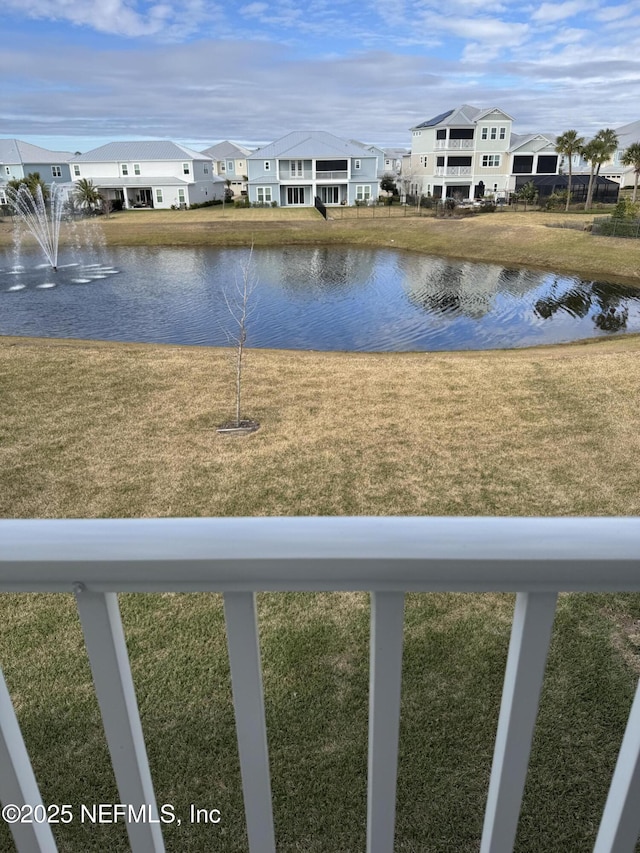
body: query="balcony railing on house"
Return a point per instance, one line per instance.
(535, 558)
(459, 144)
(295, 175)
(341, 175)
(453, 171)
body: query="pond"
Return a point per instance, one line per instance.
(322, 298)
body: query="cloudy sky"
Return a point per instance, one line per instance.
(78, 73)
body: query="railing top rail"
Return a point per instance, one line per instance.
(412, 554)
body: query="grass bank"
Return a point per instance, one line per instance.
(536, 239)
(100, 430)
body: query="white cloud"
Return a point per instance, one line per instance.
(253, 10)
(549, 13)
(483, 31)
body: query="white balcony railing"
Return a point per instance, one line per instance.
(340, 175)
(536, 558)
(453, 171)
(456, 144)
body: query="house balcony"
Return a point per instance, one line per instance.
(537, 558)
(454, 144)
(454, 171)
(341, 175)
(288, 175)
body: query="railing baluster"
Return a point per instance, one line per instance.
(620, 825)
(530, 637)
(251, 728)
(107, 650)
(385, 679)
(18, 784)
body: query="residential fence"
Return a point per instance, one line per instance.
(387, 557)
(610, 226)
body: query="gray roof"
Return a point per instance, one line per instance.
(628, 134)
(160, 149)
(226, 149)
(310, 143)
(464, 116)
(16, 151)
(518, 140)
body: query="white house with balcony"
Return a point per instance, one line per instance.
(461, 154)
(304, 165)
(158, 174)
(230, 164)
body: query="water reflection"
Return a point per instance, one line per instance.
(325, 298)
(608, 303)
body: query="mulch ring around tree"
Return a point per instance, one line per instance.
(244, 427)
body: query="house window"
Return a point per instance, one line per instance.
(223, 168)
(296, 168)
(485, 133)
(264, 195)
(185, 169)
(440, 161)
(3, 199)
(159, 198)
(76, 170)
(363, 193)
(490, 160)
(240, 164)
(124, 169)
(181, 197)
(357, 164)
(136, 168)
(56, 172)
(503, 132)
(7, 170)
(423, 160)
(494, 132)
(267, 166)
(205, 169)
(417, 133)
(229, 165)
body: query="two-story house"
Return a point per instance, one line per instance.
(294, 170)
(19, 159)
(461, 153)
(230, 163)
(149, 174)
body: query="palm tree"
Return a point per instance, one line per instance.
(597, 152)
(87, 194)
(569, 144)
(31, 182)
(631, 157)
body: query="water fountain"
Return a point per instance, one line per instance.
(42, 219)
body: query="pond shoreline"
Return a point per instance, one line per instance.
(510, 238)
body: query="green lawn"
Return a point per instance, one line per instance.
(100, 430)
